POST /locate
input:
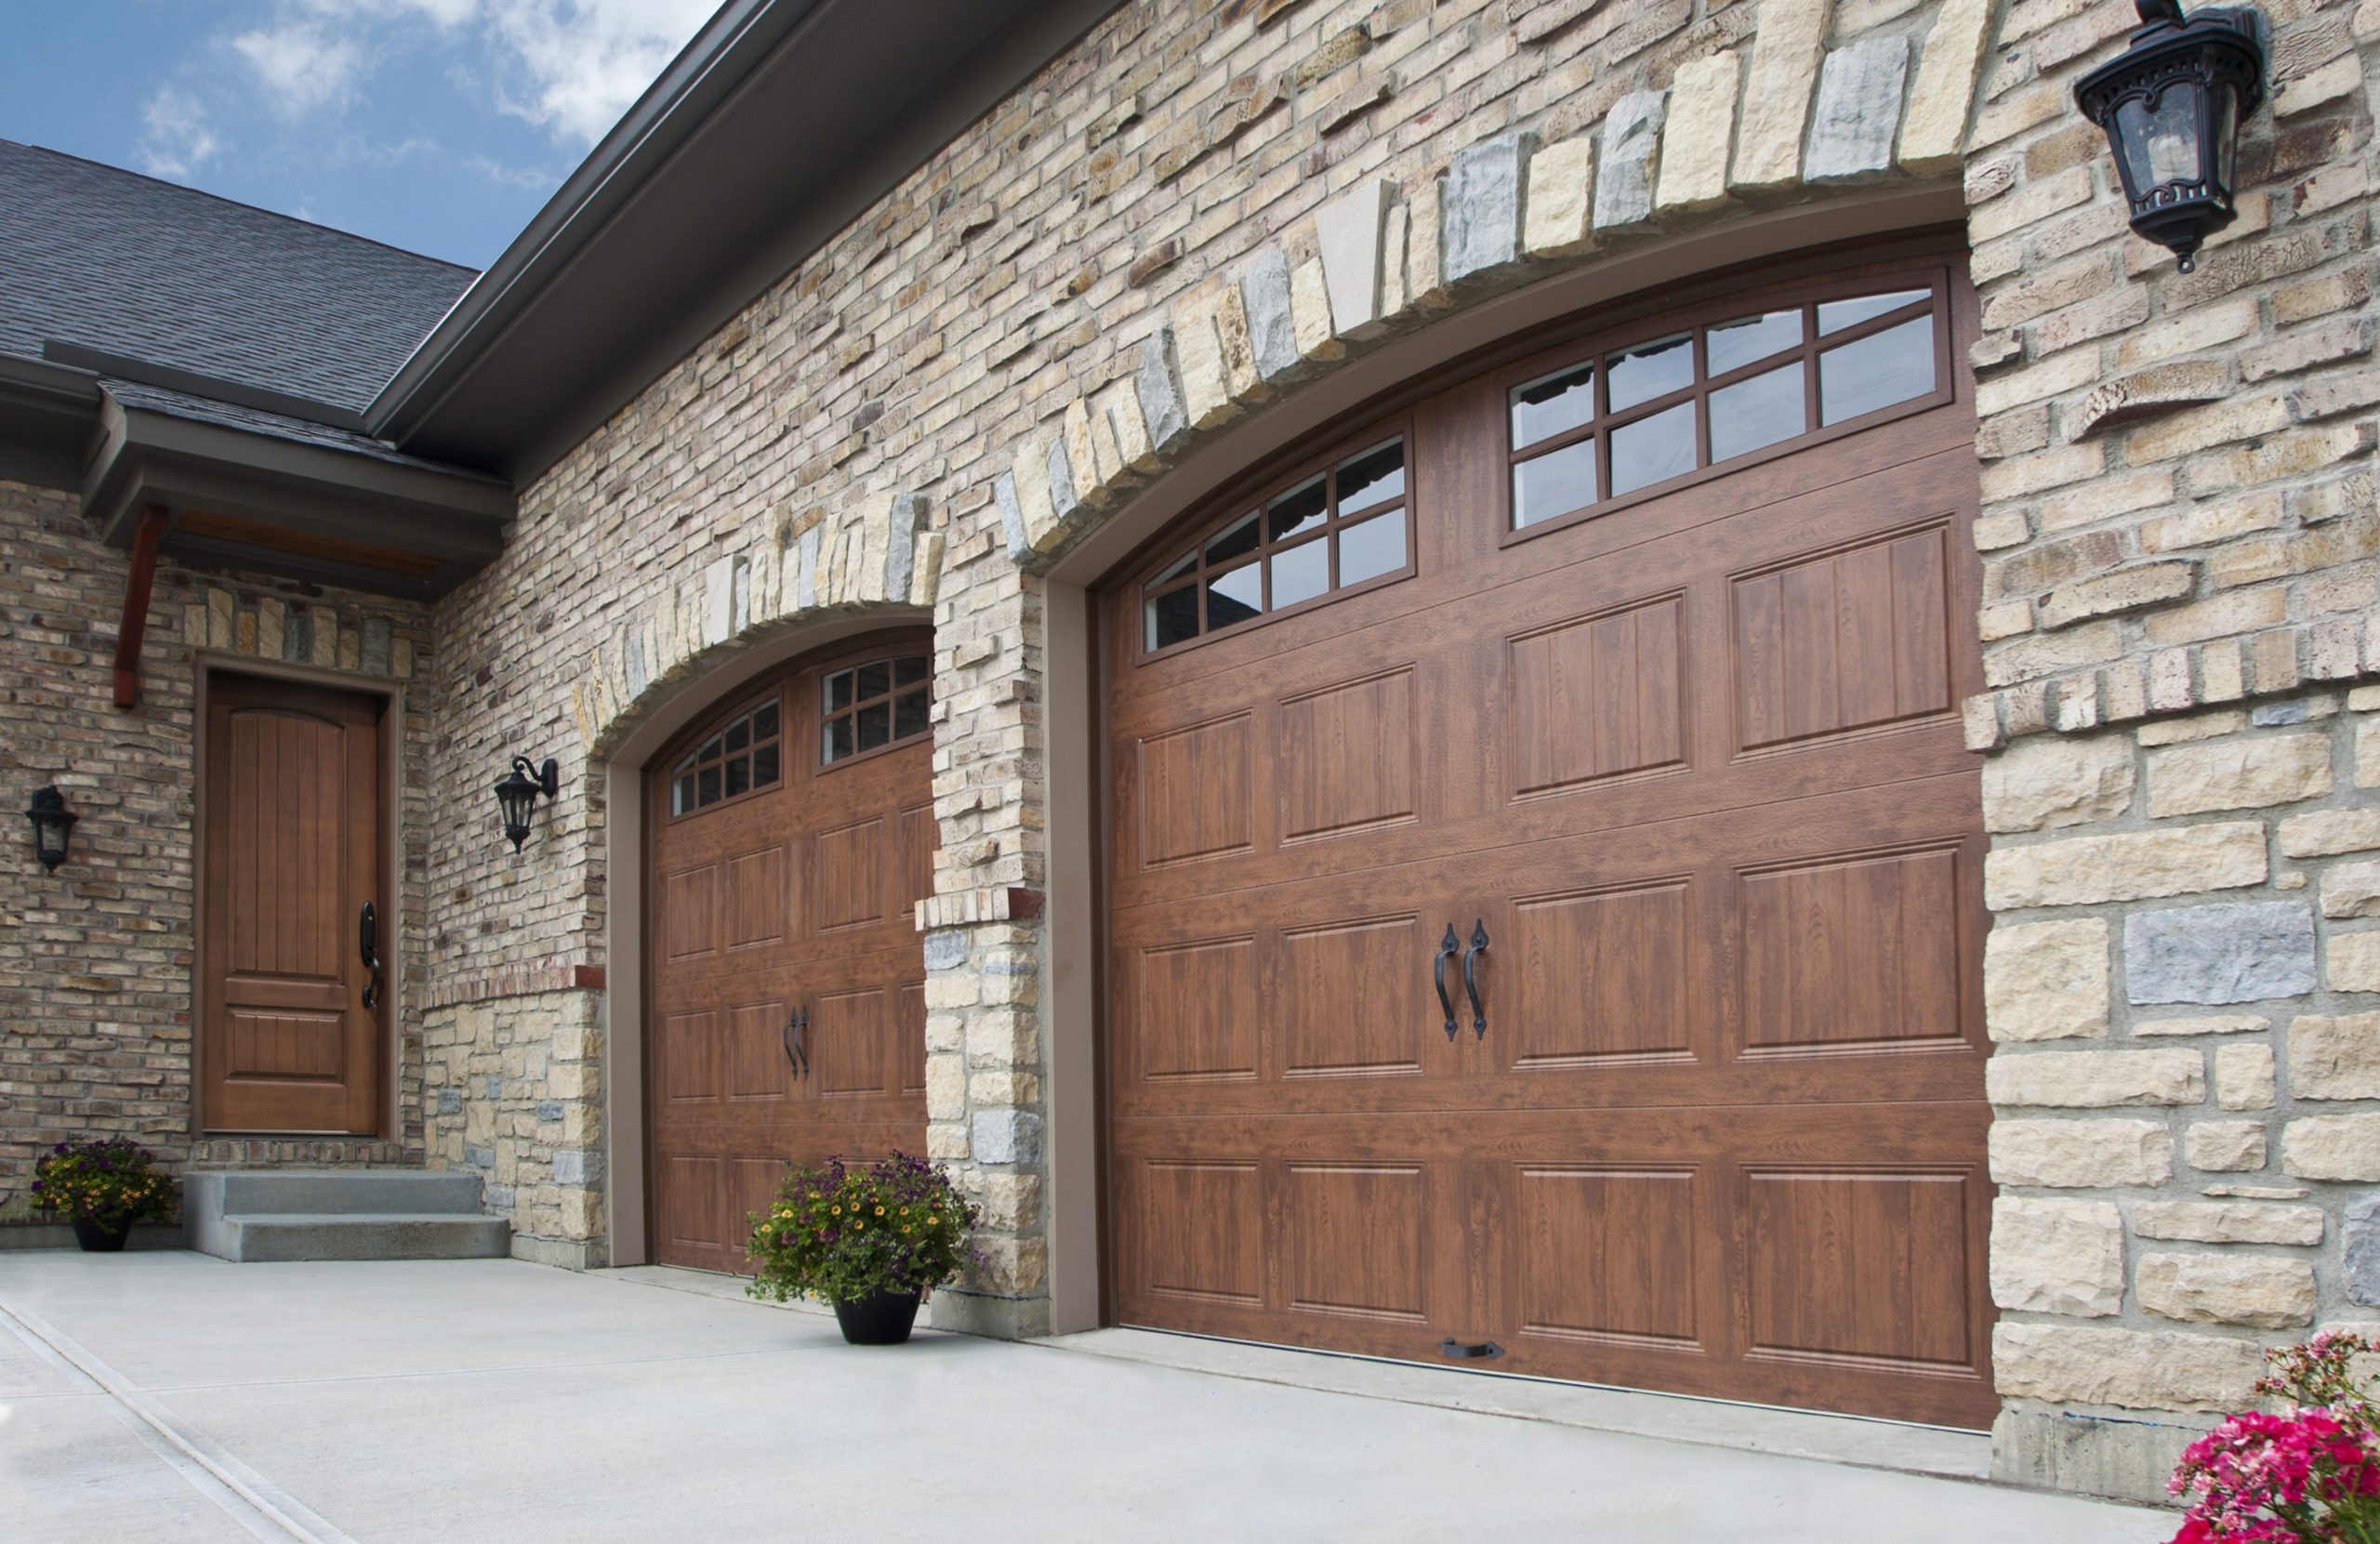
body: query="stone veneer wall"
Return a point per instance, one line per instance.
(95, 960)
(1200, 207)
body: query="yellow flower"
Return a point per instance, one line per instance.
(880, 1211)
(836, 1211)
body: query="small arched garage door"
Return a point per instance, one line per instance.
(1617, 690)
(792, 833)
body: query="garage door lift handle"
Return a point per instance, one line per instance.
(797, 1055)
(1447, 947)
(1471, 977)
(367, 944)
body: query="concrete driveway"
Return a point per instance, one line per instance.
(172, 1396)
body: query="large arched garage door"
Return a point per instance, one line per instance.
(1617, 690)
(792, 833)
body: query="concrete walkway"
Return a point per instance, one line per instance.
(173, 1396)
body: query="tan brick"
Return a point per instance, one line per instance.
(2046, 981)
(2122, 1367)
(2040, 785)
(2051, 1256)
(2331, 1147)
(2212, 522)
(2227, 1222)
(2081, 1154)
(2238, 774)
(2320, 832)
(2107, 497)
(2096, 1079)
(2334, 1056)
(2227, 1289)
(2243, 1078)
(2205, 726)
(2241, 612)
(2224, 1146)
(2125, 867)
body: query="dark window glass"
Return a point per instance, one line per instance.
(681, 795)
(1878, 369)
(910, 670)
(1173, 617)
(1235, 539)
(911, 715)
(1647, 371)
(1372, 478)
(1652, 450)
(1373, 547)
(1301, 574)
(764, 721)
(839, 739)
(875, 680)
(1303, 507)
(1732, 344)
(764, 766)
(739, 735)
(1234, 596)
(1189, 560)
(710, 751)
(1758, 412)
(739, 776)
(1554, 484)
(1555, 405)
(706, 782)
(838, 691)
(1835, 315)
(875, 725)
(871, 717)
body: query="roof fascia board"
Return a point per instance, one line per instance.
(240, 394)
(64, 382)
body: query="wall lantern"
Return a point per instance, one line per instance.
(51, 820)
(2172, 104)
(518, 794)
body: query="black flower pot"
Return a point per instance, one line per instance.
(103, 1238)
(878, 1319)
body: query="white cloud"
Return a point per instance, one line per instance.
(584, 63)
(302, 66)
(178, 141)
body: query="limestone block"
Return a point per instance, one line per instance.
(2320, 832)
(2081, 1155)
(1425, 283)
(2238, 774)
(2046, 782)
(2058, 1257)
(1272, 326)
(2352, 962)
(1084, 458)
(2244, 1078)
(1785, 54)
(2335, 1058)
(1006, 1136)
(1004, 496)
(1560, 205)
(1158, 388)
(2367, 753)
(1349, 230)
(2096, 1079)
(2132, 865)
(2359, 1248)
(2086, 1365)
(2220, 953)
(1481, 205)
(1068, 489)
(1696, 139)
(946, 949)
(925, 570)
(1317, 333)
(373, 658)
(1859, 108)
(2212, 1024)
(1119, 407)
(905, 517)
(1632, 139)
(2352, 890)
(2227, 1289)
(2046, 981)
(2224, 1146)
(1206, 376)
(1932, 135)
(2331, 1147)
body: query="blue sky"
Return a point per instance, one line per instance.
(437, 125)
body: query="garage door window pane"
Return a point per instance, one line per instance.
(1236, 597)
(1555, 405)
(1757, 413)
(1554, 484)
(1877, 370)
(1173, 617)
(1733, 345)
(1301, 574)
(1652, 450)
(874, 705)
(1835, 315)
(1650, 370)
(1372, 478)
(1302, 508)
(1372, 548)
(1232, 540)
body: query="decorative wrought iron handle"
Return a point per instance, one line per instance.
(796, 1056)
(1481, 1351)
(1470, 976)
(1447, 947)
(367, 944)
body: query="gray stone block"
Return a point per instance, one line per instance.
(1481, 211)
(1158, 385)
(2360, 1246)
(2270, 714)
(1011, 519)
(374, 653)
(1631, 133)
(1859, 108)
(479, 1158)
(501, 1198)
(549, 1109)
(576, 1165)
(945, 950)
(2220, 953)
(1348, 231)
(2113, 1456)
(901, 546)
(494, 1087)
(805, 582)
(1063, 497)
(1272, 332)
(632, 664)
(1007, 1136)
(450, 1102)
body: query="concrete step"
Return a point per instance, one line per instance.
(346, 1235)
(339, 1214)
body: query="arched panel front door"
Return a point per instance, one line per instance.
(792, 833)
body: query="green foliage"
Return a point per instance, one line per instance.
(110, 1182)
(842, 1233)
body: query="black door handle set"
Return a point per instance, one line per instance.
(1448, 947)
(796, 1052)
(367, 944)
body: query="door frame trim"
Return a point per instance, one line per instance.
(207, 664)
(627, 1212)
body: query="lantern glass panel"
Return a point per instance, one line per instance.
(2160, 137)
(2227, 142)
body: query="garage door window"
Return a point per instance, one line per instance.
(743, 757)
(1643, 419)
(1329, 531)
(885, 702)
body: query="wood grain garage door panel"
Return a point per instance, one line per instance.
(1346, 756)
(1200, 1225)
(1862, 951)
(1355, 1240)
(1598, 696)
(1612, 1254)
(1349, 997)
(1859, 1267)
(1601, 976)
(1197, 1011)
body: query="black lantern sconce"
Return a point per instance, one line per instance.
(51, 820)
(518, 794)
(2172, 105)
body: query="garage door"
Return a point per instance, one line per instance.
(1545, 875)
(792, 833)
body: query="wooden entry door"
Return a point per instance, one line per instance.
(1551, 944)
(792, 834)
(293, 1016)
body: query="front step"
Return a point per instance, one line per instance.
(339, 1214)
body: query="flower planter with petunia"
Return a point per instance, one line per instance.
(103, 1188)
(872, 1241)
(2308, 1474)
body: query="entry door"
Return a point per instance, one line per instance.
(1558, 952)
(792, 835)
(293, 1013)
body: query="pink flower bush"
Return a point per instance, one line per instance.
(2310, 1475)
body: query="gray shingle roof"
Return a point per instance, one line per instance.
(123, 263)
